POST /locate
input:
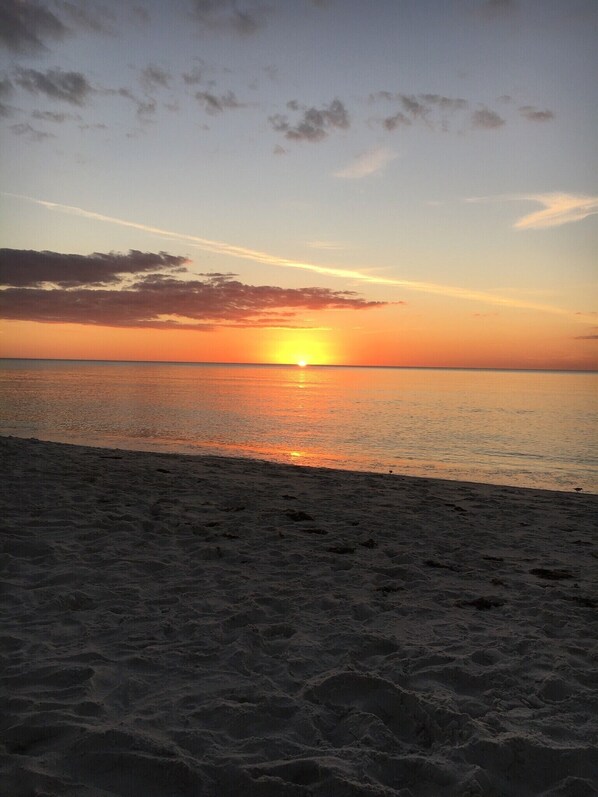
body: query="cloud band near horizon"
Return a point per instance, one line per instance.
(87, 294)
(264, 258)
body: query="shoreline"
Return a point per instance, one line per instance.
(204, 625)
(390, 472)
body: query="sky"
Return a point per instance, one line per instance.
(394, 182)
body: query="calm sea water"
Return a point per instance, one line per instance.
(535, 429)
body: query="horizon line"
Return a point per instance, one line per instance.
(307, 366)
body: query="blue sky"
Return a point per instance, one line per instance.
(387, 146)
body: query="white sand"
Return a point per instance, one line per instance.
(201, 626)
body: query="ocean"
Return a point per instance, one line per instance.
(524, 428)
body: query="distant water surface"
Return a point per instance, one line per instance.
(527, 428)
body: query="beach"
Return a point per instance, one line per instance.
(194, 625)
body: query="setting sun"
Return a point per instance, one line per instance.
(302, 363)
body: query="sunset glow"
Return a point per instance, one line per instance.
(240, 195)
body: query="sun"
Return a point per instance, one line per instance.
(301, 363)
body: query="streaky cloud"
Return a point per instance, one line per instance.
(230, 250)
(370, 162)
(558, 209)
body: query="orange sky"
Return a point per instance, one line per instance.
(381, 336)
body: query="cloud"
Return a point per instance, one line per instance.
(27, 268)
(392, 122)
(314, 124)
(25, 129)
(95, 19)
(153, 77)
(326, 246)
(485, 119)
(370, 162)
(586, 337)
(26, 25)
(432, 109)
(144, 109)
(194, 77)
(445, 103)
(163, 302)
(52, 116)
(534, 115)
(558, 209)
(71, 87)
(243, 18)
(6, 87)
(214, 104)
(6, 91)
(253, 255)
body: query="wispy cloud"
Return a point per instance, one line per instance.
(559, 208)
(230, 250)
(370, 162)
(326, 246)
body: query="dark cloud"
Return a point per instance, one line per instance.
(6, 91)
(153, 301)
(235, 16)
(586, 337)
(153, 77)
(25, 129)
(71, 87)
(23, 267)
(315, 124)
(534, 115)
(6, 87)
(216, 104)
(25, 26)
(485, 119)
